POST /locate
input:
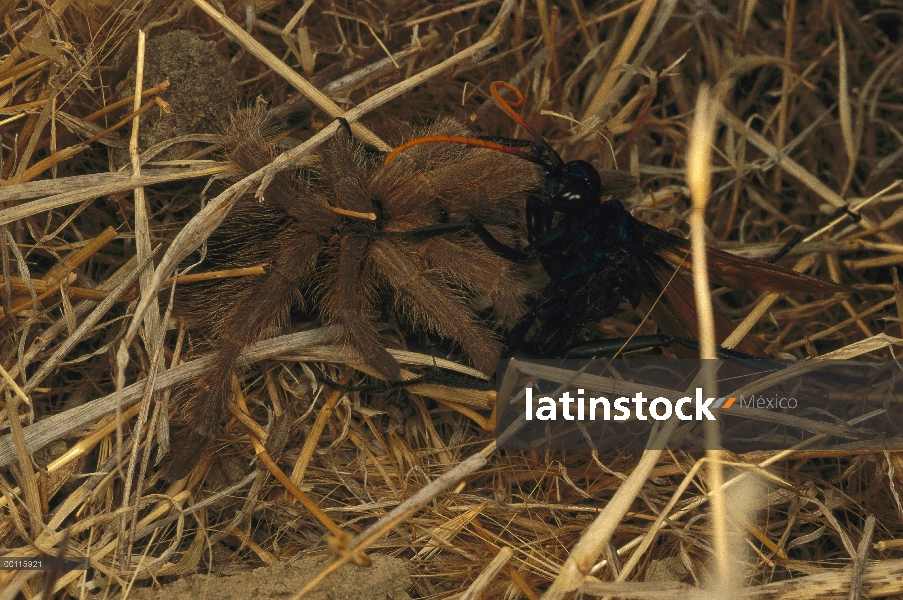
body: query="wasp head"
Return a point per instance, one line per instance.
(578, 187)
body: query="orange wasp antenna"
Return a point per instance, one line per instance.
(508, 107)
(456, 139)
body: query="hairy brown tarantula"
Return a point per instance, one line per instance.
(318, 249)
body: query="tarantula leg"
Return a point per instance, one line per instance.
(343, 122)
(433, 376)
(348, 304)
(262, 301)
(644, 342)
(474, 267)
(431, 304)
(249, 144)
(370, 149)
(477, 228)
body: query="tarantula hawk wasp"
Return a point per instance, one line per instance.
(597, 254)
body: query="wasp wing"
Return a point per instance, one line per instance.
(675, 314)
(734, 271)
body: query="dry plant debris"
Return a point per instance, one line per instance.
(809, 122)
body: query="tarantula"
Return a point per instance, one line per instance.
(411, 260)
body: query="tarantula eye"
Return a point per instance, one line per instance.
(440, 212)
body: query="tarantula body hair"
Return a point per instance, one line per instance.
(317, 249)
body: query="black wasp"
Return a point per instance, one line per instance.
(597, 254)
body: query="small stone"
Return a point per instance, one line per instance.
(667, 569)
(202, 93)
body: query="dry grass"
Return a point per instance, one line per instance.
(810, 121)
